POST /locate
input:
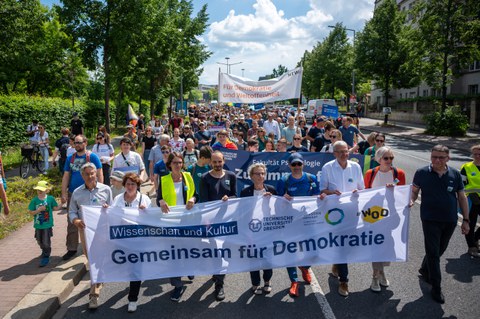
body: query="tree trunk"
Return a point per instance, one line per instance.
(106, 68)
(152, 97)
(119, 103)
(445, 55)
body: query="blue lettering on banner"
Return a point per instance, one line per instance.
(196, 231)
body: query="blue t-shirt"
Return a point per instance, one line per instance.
(76, 178)
(304, 186)
(160, 168)
(348, 134)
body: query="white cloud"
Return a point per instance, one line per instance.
(266, 38)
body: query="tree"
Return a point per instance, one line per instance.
(279, 71)
(445, 40)
(381, 51)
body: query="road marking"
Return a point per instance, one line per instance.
(322, 301)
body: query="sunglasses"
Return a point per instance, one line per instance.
(386, 158)
(296, 164)
(333, 136)
(99, 137)
(78, 143)
(165, 152)
(381, 141)
(296, 138)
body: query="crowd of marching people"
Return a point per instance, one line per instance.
(181, 161)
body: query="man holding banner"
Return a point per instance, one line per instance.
(218, 184)
(297, 183)
(339, 176)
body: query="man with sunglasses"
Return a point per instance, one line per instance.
(340, 176)
(442, 189)
(297, 183)
(202, 137)
(72, 179)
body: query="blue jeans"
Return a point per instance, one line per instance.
(44, 152)
(146, 153)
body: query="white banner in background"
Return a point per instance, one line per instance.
(241, 90)
(245, 234)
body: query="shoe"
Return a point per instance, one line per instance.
(267, 288)
(383, 280)
(437, 295)
(132, 306)
(375, 286)
(177, 293)
(191, 277)
(343, 289)
(293, 289)
(334, 271)
(93, 302)
(214, 279)
(44, 261)
(306, 275)
(69, 254)
(257, 290)
(473, 251)
(219, 293)
(425, 275)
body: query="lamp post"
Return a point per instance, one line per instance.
(242, 72)
(353, 70)
(228, 64)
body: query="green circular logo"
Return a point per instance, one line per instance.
(338, 219)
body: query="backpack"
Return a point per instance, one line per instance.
(374, 172)
(74, 155)
(196, 152)
(63, 150)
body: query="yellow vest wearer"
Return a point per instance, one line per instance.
(168, 188)
(473, 176)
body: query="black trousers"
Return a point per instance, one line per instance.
(473, 236)
(436, 236)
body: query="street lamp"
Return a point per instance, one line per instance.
(228, 64)
(242, 72)
(353, 70)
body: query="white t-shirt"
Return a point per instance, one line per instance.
(179, 192)
(259, 192)
(132, 162)
(382, 178)
(41, 139)
(119, 201)
(104, 152)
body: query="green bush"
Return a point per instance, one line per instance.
(451, 123)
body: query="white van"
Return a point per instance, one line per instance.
(327, 107)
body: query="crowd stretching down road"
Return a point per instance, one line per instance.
(182, 158)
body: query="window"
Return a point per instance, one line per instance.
(401, 95)
(412, 94)
(475, 66)
(425, 92)
(473, 89)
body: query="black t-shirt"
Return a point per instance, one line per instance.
(215, 188)
(297, 149)
(76, 126)
(149, 142)
(362, 147)
(315, 131)
(320, 142)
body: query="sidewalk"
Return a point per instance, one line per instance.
(32, 292)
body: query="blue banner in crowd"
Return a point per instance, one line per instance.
(277, 164)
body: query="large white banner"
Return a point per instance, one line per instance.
(236, 89)
(246, 234)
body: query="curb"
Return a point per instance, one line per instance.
(45, 299)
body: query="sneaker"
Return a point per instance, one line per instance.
(293, 289)
(267, 288)
(191, 277)
(375, 286)
(93, 302)
(219, 293)
(177, 293)
(334, 271)
(69, 254)
(343, 289)
(437, 295)
(44, 261)
(257, 290)
(132, 306)
(383, 280)
(473, 251)
(306, 275)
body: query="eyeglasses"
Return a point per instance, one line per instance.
(99, 137)
(296, 164)
(78, 143)
(165, 152)
(381, 141)
(439, 157)
(333, 136)
(386, 158)
(130, 184)
(177, 163)
(259, 173)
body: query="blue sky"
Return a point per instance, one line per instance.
(261, 34)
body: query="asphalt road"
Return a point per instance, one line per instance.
(407, 297)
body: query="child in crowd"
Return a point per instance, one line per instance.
(116, 183)
(41, 208)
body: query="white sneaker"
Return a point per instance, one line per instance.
(93, 302)
(132, 306)
(383, 280)
(375, 286)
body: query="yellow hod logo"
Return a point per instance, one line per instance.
(374, 214)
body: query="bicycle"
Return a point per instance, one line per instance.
(32, 158)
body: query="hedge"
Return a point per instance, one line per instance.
(17, 112)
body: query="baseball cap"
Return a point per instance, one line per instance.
(42, 186)
(295, 158)
(117, 175)
(320, 119)
(242, 117)
(129, 126)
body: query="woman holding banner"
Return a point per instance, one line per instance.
(383, 175)
(134, 199)
(257, 173)
(176, 188)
